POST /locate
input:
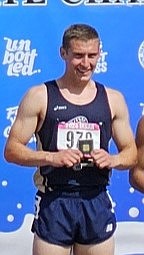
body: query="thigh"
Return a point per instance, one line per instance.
(41, 247)
(54, 221)
(97, 221)
(103, 248)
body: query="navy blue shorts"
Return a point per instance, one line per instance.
(65, 218)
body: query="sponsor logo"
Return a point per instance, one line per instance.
(60, 107)
(103, 2)
(13, 3)
(72, 3)
(109, 228)
(19, 57)
(101, 66)
(141, 54)
(77, 119)
(11, 116)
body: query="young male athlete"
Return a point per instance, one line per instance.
(74, 119)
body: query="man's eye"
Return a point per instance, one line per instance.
(92, 56)
(78, 56)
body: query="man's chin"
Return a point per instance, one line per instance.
(85, 78)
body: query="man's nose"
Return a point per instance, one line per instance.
(85, 60)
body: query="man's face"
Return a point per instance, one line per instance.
(81, 58)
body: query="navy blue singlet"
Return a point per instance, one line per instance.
(61, 110)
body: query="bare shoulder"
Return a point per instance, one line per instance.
(36, 91)
(33, 102)
(141, 122)
(117, 102)
(34, 96)
(140, 131)
(114, 94)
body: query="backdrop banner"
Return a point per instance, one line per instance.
(30, 35)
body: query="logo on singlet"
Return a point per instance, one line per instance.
(60, 107)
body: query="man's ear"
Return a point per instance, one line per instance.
(63, 53)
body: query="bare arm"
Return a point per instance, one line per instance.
(136, 174)
(122, 135)
(30, 116)
(25, 125)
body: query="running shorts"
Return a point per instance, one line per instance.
(64, 218)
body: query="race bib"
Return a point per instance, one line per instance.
(70, 135)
